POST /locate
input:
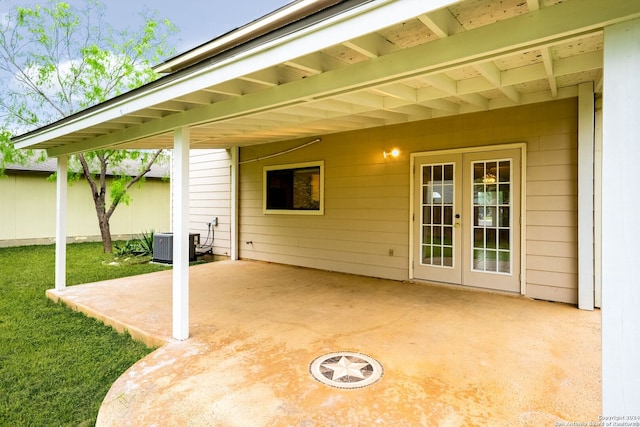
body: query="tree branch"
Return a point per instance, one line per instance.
(134, 180)
(88, 176)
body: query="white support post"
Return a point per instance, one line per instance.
(597, 200)
(61, 223)
(180, 190)
(171, 173)
(235, 174)
(586, 121)
(620, 221)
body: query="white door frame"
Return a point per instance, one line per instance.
(523, 208)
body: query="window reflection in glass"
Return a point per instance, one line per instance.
(492, 216)
(437, 222)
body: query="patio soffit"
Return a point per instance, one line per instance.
(377, 64)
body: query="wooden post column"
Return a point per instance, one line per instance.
(621, 221)
(180, 187)
(61, 223)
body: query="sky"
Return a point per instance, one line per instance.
(198, 20)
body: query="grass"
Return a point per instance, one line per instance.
(56, 365)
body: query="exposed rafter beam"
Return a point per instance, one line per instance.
(533, 5)
(414, 110)
(365, 99)
(280, 118)
(450, 86)
(493, 74)
(309, 64)
(267, 77)
(335, 105)
(148, 114)
(173, 106)
(427, 94)
(314, 128)
(442, 105)
(599, 85)
(441, 22)
(560, 67)
(524, 74)
(578, 63)
(231, 88)
(108, 127)
(307, 110)
(547, 60)
(525, 32)
(371, 45)
(262, 124)
(129, 120)
(225, 127)
(399, 91)
(474, 85)
(315, 64)
(355, 121)
(442, 82)
(201, 98)
(475, 99)
(386, 115)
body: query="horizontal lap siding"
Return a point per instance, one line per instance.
(552, 212)
(366, 210)
(367, 197)
(210, 197)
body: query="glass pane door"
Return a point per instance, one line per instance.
(466, 211)
(437, 215)
(436, 230)
(492, 216)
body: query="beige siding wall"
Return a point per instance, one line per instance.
(209, 197)
(552, 209)
(367, 197)
(28, 210)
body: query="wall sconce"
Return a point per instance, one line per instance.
(393, 153)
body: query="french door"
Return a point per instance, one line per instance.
(466, 227)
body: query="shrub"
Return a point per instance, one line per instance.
(141, 246)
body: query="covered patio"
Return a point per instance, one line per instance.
(552, 80)
(449, 356)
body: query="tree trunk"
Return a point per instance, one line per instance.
(105, 232)
(99, 193)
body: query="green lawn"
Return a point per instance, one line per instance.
(56, 365)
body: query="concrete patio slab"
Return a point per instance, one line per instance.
(450, 357)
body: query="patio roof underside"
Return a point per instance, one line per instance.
(471, 56)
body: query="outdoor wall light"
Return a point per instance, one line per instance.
(393, 153)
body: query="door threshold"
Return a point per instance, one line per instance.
(465, 288)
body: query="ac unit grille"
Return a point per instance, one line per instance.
(163, 247)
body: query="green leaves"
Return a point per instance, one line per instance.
(118, 190)
(64, 59)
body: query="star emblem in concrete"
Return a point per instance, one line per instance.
(345, 368)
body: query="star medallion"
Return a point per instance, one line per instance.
(346, 369)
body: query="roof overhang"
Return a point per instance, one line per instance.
(356, 65)
(265, 26)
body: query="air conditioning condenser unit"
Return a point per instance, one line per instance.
(163, 247)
